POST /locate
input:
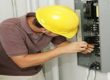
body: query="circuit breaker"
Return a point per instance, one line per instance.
(94, 28)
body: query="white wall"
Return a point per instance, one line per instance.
(66, 65)
(5, 9)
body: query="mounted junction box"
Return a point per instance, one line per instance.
(94, 29)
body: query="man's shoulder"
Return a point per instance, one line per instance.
(10, 21)
(9, 24)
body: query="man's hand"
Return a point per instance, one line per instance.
(78, 47)
(89, 49)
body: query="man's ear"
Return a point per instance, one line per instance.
(43, 30)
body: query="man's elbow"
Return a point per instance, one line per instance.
(22, 65)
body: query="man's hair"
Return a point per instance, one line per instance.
(35, 21)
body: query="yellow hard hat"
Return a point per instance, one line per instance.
(58, 19)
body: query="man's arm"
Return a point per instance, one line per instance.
(29, 60)
(63, 44)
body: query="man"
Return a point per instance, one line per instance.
(23, 38)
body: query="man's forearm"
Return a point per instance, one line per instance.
(24, 61)
(63, 44)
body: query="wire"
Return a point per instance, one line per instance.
(14, 8)
(94, 74)
(88, 74)
(89, 70)
(93, 66)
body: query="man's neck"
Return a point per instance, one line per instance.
(31, 25)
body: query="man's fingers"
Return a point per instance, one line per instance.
(87, 49)
(90, 46)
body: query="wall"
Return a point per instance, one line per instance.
(13, 8)
(4, 12)
(68, 63)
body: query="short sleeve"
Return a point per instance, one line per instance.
(12, 41)
(58, 40)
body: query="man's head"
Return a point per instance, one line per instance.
(56, 20)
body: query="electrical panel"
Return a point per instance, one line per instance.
(94, 28)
